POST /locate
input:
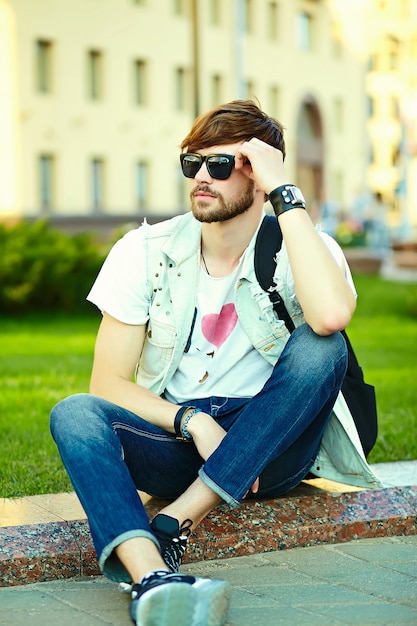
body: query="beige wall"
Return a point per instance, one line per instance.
(68, 125)
(9, 139)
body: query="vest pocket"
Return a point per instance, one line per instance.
(157, 350)
(271, 347)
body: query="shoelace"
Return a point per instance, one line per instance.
(185, 528)
(154, 578)
(173, 548)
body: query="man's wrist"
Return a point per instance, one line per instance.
(182, 412)
(187, 436)
(200, 425)
(286, 197)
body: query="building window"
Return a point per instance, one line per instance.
(374, 62)
(272, 21)
(46, 176)
(273, 100)
(370, 106)
(393, 52)
(249, 16)
(179, 7)
(377, 109)
(250, 89)
(216, 89)
(97, 183)
(215, 12)
(95, 75)
(140, 82)
(180, 89)
(394, 107)
(304, 31)
(141, 184)
(44, 66)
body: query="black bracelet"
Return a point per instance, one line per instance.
(177, 421)
(285, 198)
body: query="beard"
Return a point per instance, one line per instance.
(221, 211)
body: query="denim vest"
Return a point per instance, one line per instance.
(173, 265)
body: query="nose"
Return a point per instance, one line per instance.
(203, 174)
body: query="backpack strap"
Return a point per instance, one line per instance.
(268, 243)
(359, 396)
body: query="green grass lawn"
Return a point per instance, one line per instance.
(383, 332)
(45, 358)
(42, 360)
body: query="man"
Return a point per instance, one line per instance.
(225, 403)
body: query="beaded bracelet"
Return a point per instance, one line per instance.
(184, 425)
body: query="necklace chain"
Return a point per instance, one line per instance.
(204, 261)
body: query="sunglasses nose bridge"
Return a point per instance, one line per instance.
(203, 163)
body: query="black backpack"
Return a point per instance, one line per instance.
(359, 396)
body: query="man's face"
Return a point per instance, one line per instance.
(214, 200)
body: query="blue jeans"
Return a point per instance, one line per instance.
(110, 453)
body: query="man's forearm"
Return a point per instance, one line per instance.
(136, 399)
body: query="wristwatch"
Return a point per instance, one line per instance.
(286, 197)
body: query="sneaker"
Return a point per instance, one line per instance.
(166, 599)
(172, 538)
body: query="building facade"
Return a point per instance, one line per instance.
(96, 97)
(392, 109)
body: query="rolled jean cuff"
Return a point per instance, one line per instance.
(109, 562)
(214, 487)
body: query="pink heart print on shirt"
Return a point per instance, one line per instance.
(216, 328)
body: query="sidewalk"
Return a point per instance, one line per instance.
(358, 581)
(368, 581)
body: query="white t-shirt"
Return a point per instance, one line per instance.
(220, 359)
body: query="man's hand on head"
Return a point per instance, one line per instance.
(266, 164)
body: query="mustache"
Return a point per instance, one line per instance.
(204, 189)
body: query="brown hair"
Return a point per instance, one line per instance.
(236, 121)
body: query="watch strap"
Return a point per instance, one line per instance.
(286, 197)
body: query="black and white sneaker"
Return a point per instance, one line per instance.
(172, 538)
(166, 599)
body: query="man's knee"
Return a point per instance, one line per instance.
(308, 351)
(66, 414)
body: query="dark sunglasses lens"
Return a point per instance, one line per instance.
(220, 166)
(190, 163)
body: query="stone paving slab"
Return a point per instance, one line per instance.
(397, 474)
(364, 582)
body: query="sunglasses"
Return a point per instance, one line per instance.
(218, 165)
